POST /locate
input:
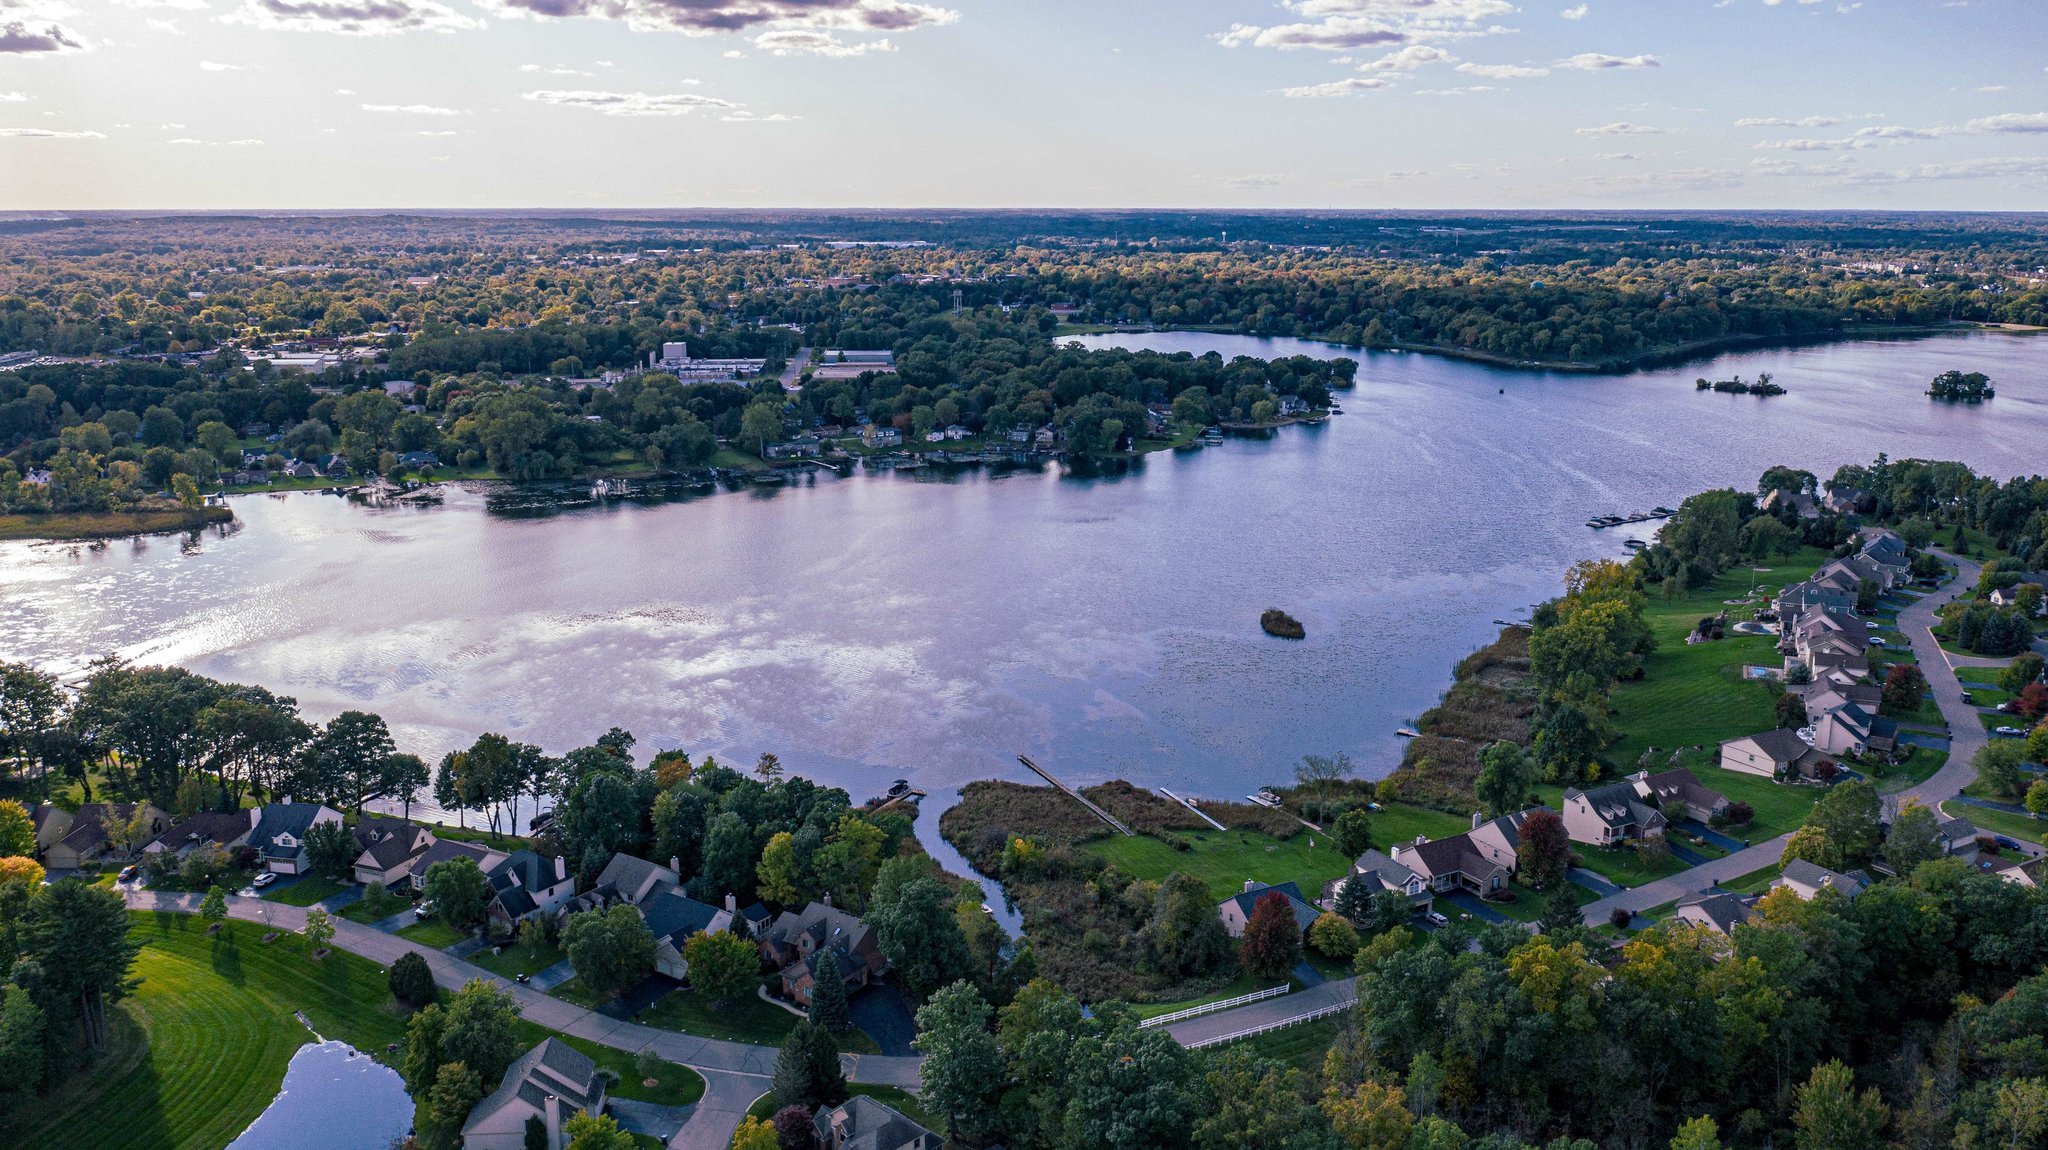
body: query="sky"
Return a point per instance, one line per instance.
(279, 104)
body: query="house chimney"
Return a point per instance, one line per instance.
(828, 900)
(1250, 885)
(561, 867)
(675, 863)
(553, 1106)
(1420, 839)
(732, 904)
(1475, 820)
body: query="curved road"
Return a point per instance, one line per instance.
(1966, 735)
(735, 1073)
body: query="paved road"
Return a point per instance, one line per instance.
(1264, 1012)
(735, 1073)
(798, 361)
(1916, 622)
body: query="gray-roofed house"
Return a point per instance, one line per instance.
(551, 1082)
(1236, 911)
(792, 942)
(223, 829)
(280, 834)
(1808, 879)
(1459, 862)
(1611, 814)
(1720, 913)
(673, 917)
(1379, 871)
(525, 884)
(1958, 836)
(1776, 754)
(85, 837)
(861, 1123)
(1677, 787)
(443, 850)
(390, 849)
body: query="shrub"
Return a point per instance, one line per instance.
(412, 980)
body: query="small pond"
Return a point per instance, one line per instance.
(334, 1097)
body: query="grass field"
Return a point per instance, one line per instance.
(2003, 822)
(1301, 1046)
(747, 1020)
(108, 524)
(1755, 882)
(433, 933)
(367, 911)
(1696, 695)
(1620, 865)
(518, 959)
(1244, 984)
(1223, 860)
(306, 891)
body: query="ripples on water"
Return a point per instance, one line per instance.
(936, 625)
(334, 1097)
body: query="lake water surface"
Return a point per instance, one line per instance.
(936, 626)
(334, 1097)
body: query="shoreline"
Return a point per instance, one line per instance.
(96, 526)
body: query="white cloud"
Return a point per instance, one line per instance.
(742, 116)
(1622, 128)
(415, 109)
(47, 134)
(1601, 62)
(40, 38)
(180, 5)
(631, 103)
(1616, 156)
(1786, 122)
(1344, 87)
(1345, 25)
(556, 70)
(1408, 59)
(2011, 122)
(1503, 71)
(2000, 167)
(1577, 13)
(710, 17)
(735, 54)
(351, 17)
(450, 132)
(808, 42)
(215, 66)
(13, 97)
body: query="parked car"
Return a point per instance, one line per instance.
(1876, 641)
(1969, 698)
(2007, 843)
(424, 909)
(1436, 918)
(263, 880)
(127, 874)
(2010, 733)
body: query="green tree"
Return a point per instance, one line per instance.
(1184, 935)
(828, 994)
(1320, 774)
(586, 1131)
(755, 1134)
(1333, 937)
(610, 950)
(77, 934)
(1830, 1115)
(722, 965)
(780, 874)
(760, 425)
(1370, 1116)
(1353, 832)
(1914, 837)
(2037, 798)
(346, 761)
(807, 1071)
(23, 1043)
(2021, 671)
(963, 1067)
(455, 1092)
(1505, 776)
(1700, 1133)
(412, 980)
(729, 857)
(214, 907)
(319, 931)
(921, 938)
(17, 830)
(1272, 939)
(459, 891)
(1998, 767)
(1849, 815)
(331, 850)
(481, 1029)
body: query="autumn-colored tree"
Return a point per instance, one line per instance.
(1545, 853)
(1272, 939)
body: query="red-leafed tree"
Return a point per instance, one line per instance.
(1545, 853)
(1272, 939)
(2032, 701)
(1903, 687)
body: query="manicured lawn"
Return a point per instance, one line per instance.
(1223, 860)
(2003, 822)
(200, 1048)
(1696, 695)
(1529, 904)
(674, 1086)
(1780, 807)
(1300, 1046)
(1985, 675)
(1620, 865)
(745, 1020)
(1244, 984)
(1400, 823)
(367, 911)
(1918, 769)
(307, 891)
(1755, 882)
(433, 933)
(518, 959)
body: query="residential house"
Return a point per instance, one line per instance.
(1678, 786)
(882, 437)
(415, 460)
(86, 838)
(2026, 872)
(390, 849)
(793, 942)
(1379, 871)
(1958, 836)
(656, 892)
(1849, 729)
(2010, 596)
(223, 829)
(1472, 861)
(551, 1082)
(1847, 500)
(1807, 879)
(443, 850)
(1615, 813)
(51, 822)
(1802, 503)
(954, 431)
(861, 1123)
(280, 834)
(1720, 913)
(1236, 911)
(525, 884)
(1779, 754)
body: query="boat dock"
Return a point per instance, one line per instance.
(1199, 813)
(1602, 522)
(1078, 797)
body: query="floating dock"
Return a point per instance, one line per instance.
(1199, 813)
(1078, 797)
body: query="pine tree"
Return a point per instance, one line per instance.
(807, 1071)
(828, 995)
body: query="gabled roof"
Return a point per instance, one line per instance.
(1720, 912)
(1781, 745)
(1247, 901)
(217, 827)
(634, 878)
(673, 916)
(861, 1123)
(1382, 868)
(444, 849)
(1680, 785)
(293, 819)
(1458, 854)
(89, 824)
(553, 1067)
(1813, 876)
(1616, 805)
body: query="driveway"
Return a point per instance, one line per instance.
(1593, 881)
(1473, 905)
(881, 1010)
(640, 996)
(553, 976)
(1696, 827)
(649, 1118)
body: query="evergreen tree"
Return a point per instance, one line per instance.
(828, 995)
(807, 1070)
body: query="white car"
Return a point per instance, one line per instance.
(2012, 732)
(1436, 918)
(263, 880)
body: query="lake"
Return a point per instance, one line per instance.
(935, 626)
(334, 1097)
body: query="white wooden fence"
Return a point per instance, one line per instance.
(1282, 1024)
(1213, 1007)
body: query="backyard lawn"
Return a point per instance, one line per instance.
(1225, 859)
(746, 1020)
(1620, 865)
(518, 959)
(433, 933)
(307, 891)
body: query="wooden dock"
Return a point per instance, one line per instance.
(1199, 813)
(1078, 797)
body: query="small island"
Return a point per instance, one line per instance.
(1962, 387)
(1280, 624)
(1740, 386)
